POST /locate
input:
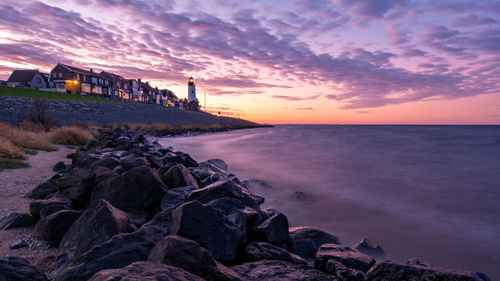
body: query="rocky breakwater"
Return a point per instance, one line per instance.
(129, 209)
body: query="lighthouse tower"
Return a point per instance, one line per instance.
(191, 90)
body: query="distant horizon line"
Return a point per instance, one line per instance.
(373, 124)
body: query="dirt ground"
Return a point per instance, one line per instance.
(14, 184)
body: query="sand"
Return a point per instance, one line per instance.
(14, 184)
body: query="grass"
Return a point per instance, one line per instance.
(9, 150)
(12, 164)
(32, 93)
(27, 139)
(72, 135)
(156, 127)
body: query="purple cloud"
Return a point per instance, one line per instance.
(294, 98)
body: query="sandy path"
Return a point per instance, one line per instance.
(14, 184)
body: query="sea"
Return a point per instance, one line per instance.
(426, 192)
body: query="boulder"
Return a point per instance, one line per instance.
(364, 246)
(145, 271)
(59, 167)
(171, 157)
(209, 228)
(119, 251)
(305, 241)
(342, 272)
(219, 163)
(16, 268)
(73, 185)
(347, 256)
(178, 176)
(81, 160)
(274, 230)
(186, 159)
(162, 221)
(388, 270)
(189, 255)
(37, 206)
(96, 225)
(176, 196)
(154, 160)
(44, 189)
(16, 220)
(132, 161)
(49, 210)
(107, 162)
(137, 189)
(226, 188)
(54, 226)
(257, 251)
(279, 271)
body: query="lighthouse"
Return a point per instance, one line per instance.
(191, 90)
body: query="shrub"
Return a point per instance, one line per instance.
(27, 139)
(9, 150)
(39, 114)
(30, 126)
(71, 135)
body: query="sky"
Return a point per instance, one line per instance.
(296, 61)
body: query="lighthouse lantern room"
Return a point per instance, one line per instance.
(191, 90)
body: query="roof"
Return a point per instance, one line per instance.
(82, 71)
(23, 75)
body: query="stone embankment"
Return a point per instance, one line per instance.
(129, 209)
(12, 109)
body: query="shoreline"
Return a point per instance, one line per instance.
(268, 236)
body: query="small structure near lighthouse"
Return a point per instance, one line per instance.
(192, 102)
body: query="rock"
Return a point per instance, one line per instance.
(208, 227)
(176, 196)
(49, 210)
(342, 272)
(178, 176)
(59, 167)
(274, 230)
(279, 271)
(388, 270)
(302, 196)
(171, 157)
(156, 161)
(138, 218)
(187, 254)
(186, 159)
(81, 160)
(37, 206)
(305, 241)
(218, 163)
(119, 251)
(107, 162)
(347, 256)
(132, 161)
(16, 220)
(256, 251)
(162, 221)
(73, 185)
(17, 244)
(16, 268)
(96, 225)
(364, 246)
(145, 271)
(137, 189)
(44, 189)
(256, 185)
(226, 189)
(54, 226)
(415, 261)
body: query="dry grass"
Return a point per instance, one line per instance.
(9, 150)
(72, 135)
(147, 127)
(27, 139)
(30, 126)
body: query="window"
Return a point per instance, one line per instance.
(84, 78)
(38, 80)
(60, 75)
(54, 75)
(77, 76)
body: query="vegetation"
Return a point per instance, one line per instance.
(32, 93)
(72, 135)
(147, 127)
(12, 164)
(27, 139)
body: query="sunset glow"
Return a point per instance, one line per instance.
(298, 61)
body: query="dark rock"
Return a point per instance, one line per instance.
(274, 230)
(218, 163)
(44, 189)
(156, 161)
(178, 176)
(59, 167)
(342, 272)
(54, 226)
(415, 261)
(73, 185)
(119, 251)
(208, 227)
(305, 241)
(96, 225)
(302, 196)
(49, 210)
(186, 159)
(16, 220)
(280, 271)
(137, 189)
(107, 162)
(347, 256)
(16, 268)
(171, 157)
(138, 218)
(162, 221)
(256, 185)
(17, 244)
(388, 270)
(187, 254)
(256, 251)
(82, 160)
(132, 161)
(364, 246)
(37, 206)
(226, 189)
(213, 178)
(145, 271)
(176, 196)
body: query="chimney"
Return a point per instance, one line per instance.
(139, 80)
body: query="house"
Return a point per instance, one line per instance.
(79, 81)
(27, 78)
(147, 92)
(121, 87)
(134, 88)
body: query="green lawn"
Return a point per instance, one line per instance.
(12, 164)
(31, 93)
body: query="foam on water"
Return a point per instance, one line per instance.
(431, 192)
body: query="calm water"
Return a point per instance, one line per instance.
(431, 192)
